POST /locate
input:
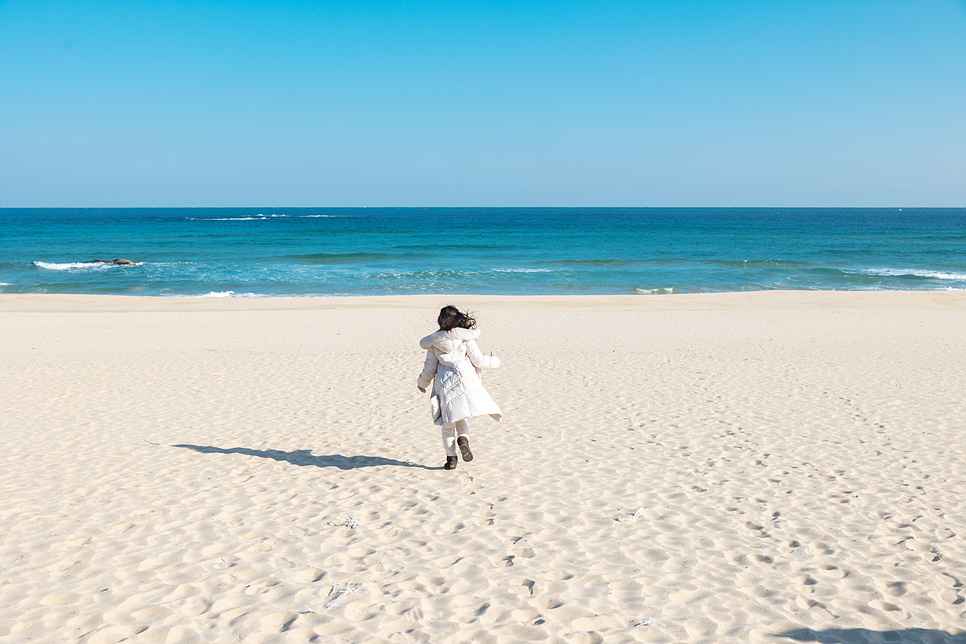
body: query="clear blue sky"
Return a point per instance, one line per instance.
(557, 103)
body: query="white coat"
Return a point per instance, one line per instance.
(453, 364)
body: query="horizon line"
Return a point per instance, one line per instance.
(486, 207)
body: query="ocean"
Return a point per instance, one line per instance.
(263, 252)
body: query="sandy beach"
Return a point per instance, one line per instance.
(745, 467)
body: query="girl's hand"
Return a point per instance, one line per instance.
(422, 389)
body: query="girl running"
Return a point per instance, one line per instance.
(453, 365)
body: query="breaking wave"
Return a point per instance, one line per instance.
(66, 266)
(911, 272)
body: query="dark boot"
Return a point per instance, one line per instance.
(451, 462)
(464, 445)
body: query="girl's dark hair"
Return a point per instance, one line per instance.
(451, 317)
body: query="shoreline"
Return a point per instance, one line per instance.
(753, 300)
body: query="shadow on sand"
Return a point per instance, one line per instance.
(304, 457)
(867, 636)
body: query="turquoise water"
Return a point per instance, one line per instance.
(223, 252)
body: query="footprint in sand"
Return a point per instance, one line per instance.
(831, 571)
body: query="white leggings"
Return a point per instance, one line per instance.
(451, 432)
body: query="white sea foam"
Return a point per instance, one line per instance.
(656, 291)
(522, 270)
(225, 294)
(258, 218)
(94, 266)
(5, 284)
(911, 272)
(66, 266)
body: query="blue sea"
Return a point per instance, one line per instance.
(260, 252)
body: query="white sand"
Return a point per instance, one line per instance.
(180, 470)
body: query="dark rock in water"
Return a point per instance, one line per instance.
(118, 262)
